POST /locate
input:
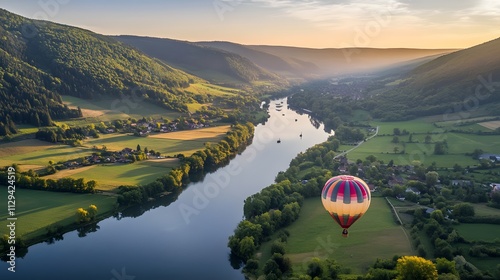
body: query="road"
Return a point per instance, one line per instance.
(359, 144)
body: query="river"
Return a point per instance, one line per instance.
(187, 238)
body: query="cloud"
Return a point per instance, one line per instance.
(342, 14)
(336, 14)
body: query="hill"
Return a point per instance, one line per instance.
(212, 64)
(266, 60)
(40, 60)
(318, 63)
(459, 82)
(350, 60)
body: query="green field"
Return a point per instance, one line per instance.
(209, 89)
(35, 152)
(36, 210)
(481, 209)
(315, 234)
(382, 147)
(26, 129)
(109, 109)
(478, 232)
(109, 176)
(412, 126)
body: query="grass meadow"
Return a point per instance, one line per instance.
(108, 109)
(315, 234)
(36, 152)
(209, 89)
(479, 232)
(109, 176)
(383, 148)
(37, 210)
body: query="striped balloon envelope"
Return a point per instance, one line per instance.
(346, 198)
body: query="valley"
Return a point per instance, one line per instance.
(158, 153)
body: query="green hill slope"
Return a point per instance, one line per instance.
(41, 60)
(209, 63)
(459, 82)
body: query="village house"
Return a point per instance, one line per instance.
(413, 190)
(463, 183)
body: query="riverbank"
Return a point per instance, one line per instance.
(42, 215)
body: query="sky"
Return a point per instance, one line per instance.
(304, 23)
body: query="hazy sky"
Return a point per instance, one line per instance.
(307, 23)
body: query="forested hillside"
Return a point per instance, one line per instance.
(459, 81)
(40, 60)
(206, 62)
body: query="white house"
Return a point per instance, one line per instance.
(413, 190)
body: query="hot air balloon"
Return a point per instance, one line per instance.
(346, 198)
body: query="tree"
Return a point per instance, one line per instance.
(395, 140)
(445, 266)
(438, 216)
(247, 247)
(441, 147)
(495, 197)
(278, 247)
(428, 139)
(431, 178)
(396, 149)
(353, 170)
(138, 147)
(271, 267)
(315, 268)
(457, 168)
(463, 210)
(82, 215)
(415, 268)
(92, 211)
(371, 158)
(446, 193)
(335, 144)
(284, 264)
(396, 131)
(476, 153)
(251, 266)
(333, 269)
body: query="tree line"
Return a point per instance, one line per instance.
(34, 182)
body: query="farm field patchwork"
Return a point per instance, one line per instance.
(36, 152)
(384, 149)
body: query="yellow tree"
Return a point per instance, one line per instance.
(82, 215)
(416, 268)
(92, 211)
